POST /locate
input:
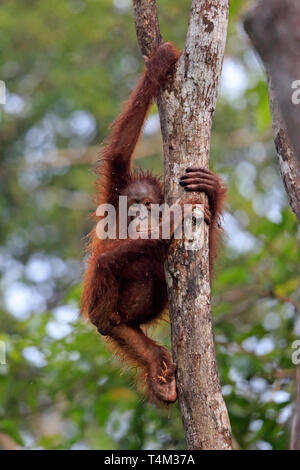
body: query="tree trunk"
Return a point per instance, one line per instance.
(273, 28)
(186, 110)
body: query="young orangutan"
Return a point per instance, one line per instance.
(124, 285)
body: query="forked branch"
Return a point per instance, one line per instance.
(186, 111)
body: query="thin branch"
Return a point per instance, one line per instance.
(273, 26)
(146, 25)
(288, 164)
(295, 428)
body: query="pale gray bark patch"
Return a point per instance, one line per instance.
(186, 110)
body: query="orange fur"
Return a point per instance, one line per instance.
(124, 284)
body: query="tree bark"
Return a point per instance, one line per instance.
(288, 164)
(186, 110)
(273, 26)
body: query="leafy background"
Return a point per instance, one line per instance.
(67, 66)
